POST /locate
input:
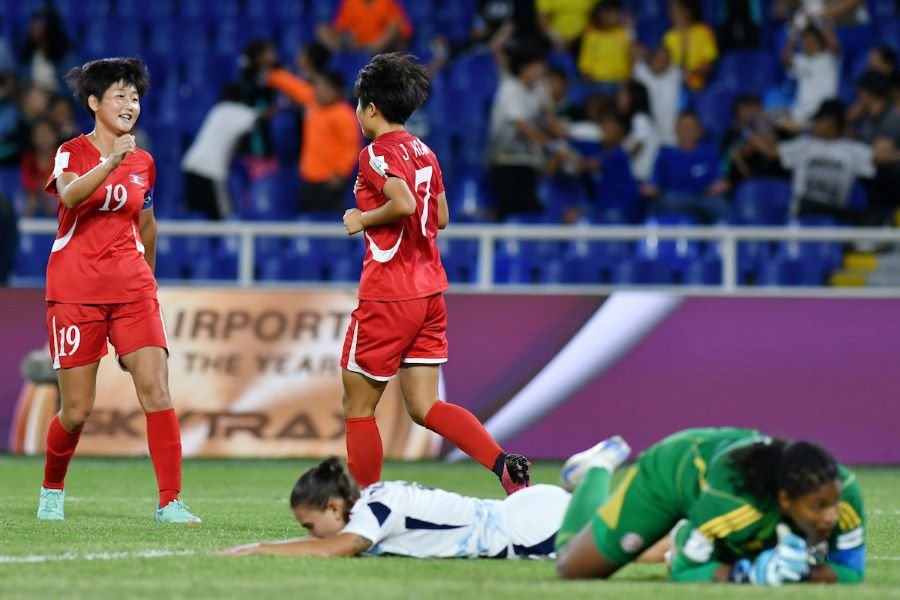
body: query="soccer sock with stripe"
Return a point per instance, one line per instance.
(60, 448)
(462, 428)
(589, 496)
(365, 454)
(164, 441)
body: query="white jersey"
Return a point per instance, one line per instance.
(408, 519)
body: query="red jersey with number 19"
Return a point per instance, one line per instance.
(98, 256)
(402, 259)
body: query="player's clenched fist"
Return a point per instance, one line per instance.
(353, 221)
(122, 146)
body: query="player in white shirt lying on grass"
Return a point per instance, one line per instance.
(408, 519)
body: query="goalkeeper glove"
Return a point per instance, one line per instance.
(787, 562)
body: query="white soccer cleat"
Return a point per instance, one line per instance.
(608, 454)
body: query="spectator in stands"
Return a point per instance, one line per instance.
(257, 58)
(686, 178)
(691, 43)
(558, 86)
(331, 138)
(605, 53)
(44, 55)
(663, 82)
(613, 185)
(882, 59)
(522, 122)
(206, 163)
(816, 69)
(13, 127)
(825, 164)
(313, 59)
(563, 21)
(7, 60)
(36, 169)
(372, 26)
(643, 142)
(879, 126)
(739, 23)
(62, 113)
(742, 159)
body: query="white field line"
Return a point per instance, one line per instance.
(38, 558)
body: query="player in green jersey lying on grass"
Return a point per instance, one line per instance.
(741, 507)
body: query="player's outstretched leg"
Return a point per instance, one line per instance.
(608, 454)
(50, 507)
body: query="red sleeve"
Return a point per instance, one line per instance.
(376, 164)
(67, 160)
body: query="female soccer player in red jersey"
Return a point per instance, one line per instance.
(401, 321)
(100, 280)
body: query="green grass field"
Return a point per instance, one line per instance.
(106, 546)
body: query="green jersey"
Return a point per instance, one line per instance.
(686, 484)
(724, 523)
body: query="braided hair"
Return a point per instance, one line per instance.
(319, 484)
(798, 468)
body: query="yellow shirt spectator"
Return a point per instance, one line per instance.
(568, 18)
(605, 54)
(693, 49)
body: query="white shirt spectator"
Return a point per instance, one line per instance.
(645, 136)
(211, 152)
(825, 170)
(516, 102)
(817, 81)
(664, 90)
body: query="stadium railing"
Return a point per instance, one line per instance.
(488, 235)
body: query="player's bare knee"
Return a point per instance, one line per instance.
(154, 396)
(74, 418)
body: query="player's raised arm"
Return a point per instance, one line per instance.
(73, 190)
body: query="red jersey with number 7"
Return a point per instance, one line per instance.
(98, 256)
(402, 259)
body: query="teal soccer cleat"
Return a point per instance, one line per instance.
(608, 454)
(50, 507)
(176, 512)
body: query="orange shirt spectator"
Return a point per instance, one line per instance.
(376, 25)
(331, 136)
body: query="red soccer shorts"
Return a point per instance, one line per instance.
(382, 335)
(78, 332)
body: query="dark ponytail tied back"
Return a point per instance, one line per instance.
(320, 484)
(765, 467)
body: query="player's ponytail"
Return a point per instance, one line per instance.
(320, 484)
(765, 467)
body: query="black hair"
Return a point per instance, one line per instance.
(230, 93)
(743, 100)
(692, 7)
(335, 80)
(523, 55)
(798, 468)
(817, 33)
(320, 484)
(56, 42)
(250, 56)
(318, 54)
(394, 83)
(887, 54)
(607, 6)
(690, 114)
(95, 77)
(624, 122)
(875, 83)
(638, 97)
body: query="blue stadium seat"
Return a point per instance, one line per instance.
(147, 12)
(890, 33)
(460, 259)
(230, 35)
(642, 272)
(882, 10)
(703, 271)
(792, 272)
(77, 11)
(295, 33)
(202, 10)
(103, 38)
(713, 106)
(762, 201)
(32, 254)
(642, 10)
(650, 31)
(675, 254)
(747, 71)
